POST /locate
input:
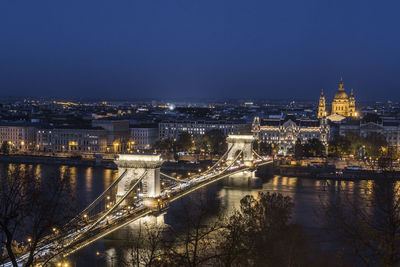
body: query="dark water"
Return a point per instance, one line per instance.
(89, 182)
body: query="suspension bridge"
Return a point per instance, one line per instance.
(138, 192)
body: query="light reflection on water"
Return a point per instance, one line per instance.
(88, 182)
(38, 172)
(88, 178)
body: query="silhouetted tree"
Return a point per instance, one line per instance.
(185, 141)
(298, 149)
(33, 211)
(373, 143)
(202, 145)
(216, 139)
(263, 148)
(164, 145)
(339, 146)
(260, 234)
(313, 148)
(5, 148)
(144, 246)
(195, 237)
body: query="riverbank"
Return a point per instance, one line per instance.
(183, 168)
(58, 160)
(332, 173)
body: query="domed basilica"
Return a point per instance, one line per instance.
(342, 105)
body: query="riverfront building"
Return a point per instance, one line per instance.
(85, 140)
(117, 134)
(389, 128)
(172, 129)
(18, 136)
(144, 135)
(286, 131)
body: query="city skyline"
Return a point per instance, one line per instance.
(199, 133)
(136, 50)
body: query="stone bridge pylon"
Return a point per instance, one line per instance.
(240, 143)
(139, 166)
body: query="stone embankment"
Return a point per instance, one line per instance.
(331, 172)
(57, 160)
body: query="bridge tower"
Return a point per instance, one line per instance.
(240, 143)
(139, 166)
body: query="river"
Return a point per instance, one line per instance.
(307, 193)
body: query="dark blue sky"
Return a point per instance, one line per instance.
(131, 49)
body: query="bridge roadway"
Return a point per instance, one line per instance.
(78, 239)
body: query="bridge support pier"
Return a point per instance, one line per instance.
(240, 143)
(137, 166)
(243, 144)
(136, 228)
(244, 174)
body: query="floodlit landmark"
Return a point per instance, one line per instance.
(342, 105)
(284, 132)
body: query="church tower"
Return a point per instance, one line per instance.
(321, 106)
(352, 105)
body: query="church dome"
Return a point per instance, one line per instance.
(341, 94)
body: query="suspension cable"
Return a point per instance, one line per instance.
(117, 203)
(233, 161)
(230, 165)
(171, 177)
(98, 199)
(257, 154)
(219, 161)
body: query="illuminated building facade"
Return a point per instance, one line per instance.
(342, 104)
(18, 137)
(118, 135)
(144, 136)
(102, 136)
(44, 140)
(285, 132)
(172, 129)
(90, 140)
(390, 129)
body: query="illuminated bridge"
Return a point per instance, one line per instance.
(140, 190)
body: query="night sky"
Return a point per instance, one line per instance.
(128, 49)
